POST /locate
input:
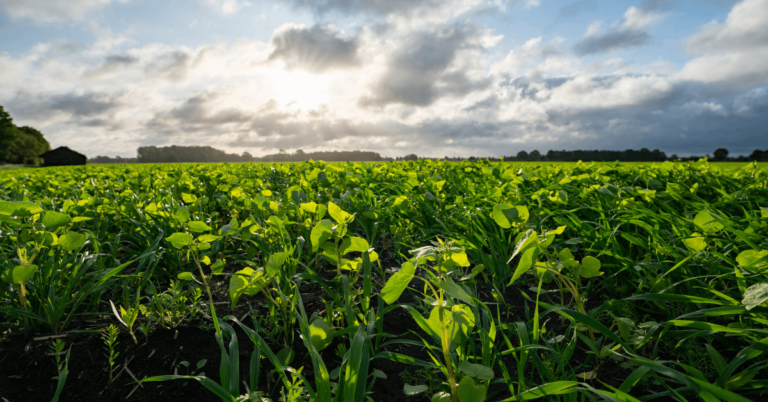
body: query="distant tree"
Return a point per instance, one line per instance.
(411, 157)
(758, 155)
(534, 155)
(299, 152)
(673, 157)
(283, 152)
(721, 154)
(522, 156)
(19, 144)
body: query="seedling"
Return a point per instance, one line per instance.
(109, 336)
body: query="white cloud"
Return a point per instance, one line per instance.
(53, 10)
(734, 52)
(228, 6)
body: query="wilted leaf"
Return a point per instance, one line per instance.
(411, 390)
(755, 295)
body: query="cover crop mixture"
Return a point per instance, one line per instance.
(567, 282)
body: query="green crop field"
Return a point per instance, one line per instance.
(417, 281)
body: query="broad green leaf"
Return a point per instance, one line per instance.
(21, 209)
(469, 392)
(755, 295)
(189, 198)
(411, 390)
(207, 238)
(218, 267)
(181, 215)
(460, 259)
(460, 314)
(245, 282)
(753, 260)
(186, 276)
(397, 283)
(53, 220)
(707, 223)
(198, 227)
(476, 370)
(695, 243)
(309, 207)
(353, 244)
(275, 262)
(321, 233)
(456, 291)
(321, 334)
(79, 219)
(339, 215)
(72, 241)
(18, 274)
(179, 240)
(590, 267)
(399, 201)
(507, 215)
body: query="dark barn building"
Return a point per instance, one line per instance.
(63, 156)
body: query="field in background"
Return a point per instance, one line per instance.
(470, 281)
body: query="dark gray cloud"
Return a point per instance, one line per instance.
(315, 50)
(112, 64)
(76, 105)
(172, 66)
(631, 31)
(197, 114)
(613, 39)
(419, 74)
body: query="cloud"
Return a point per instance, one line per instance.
(315, 50)
(172, 66)
(734, 52)
(413, 13)
(52, 10)
(630, 31)
(73, 106)
(228, 6)
(112, 64)
(428, 66)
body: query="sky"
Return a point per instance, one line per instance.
(431, 77)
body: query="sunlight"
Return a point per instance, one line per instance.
(301, 89)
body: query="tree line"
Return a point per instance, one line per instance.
(20, 144)
(198, 154)
(202, 154)
(629, 155)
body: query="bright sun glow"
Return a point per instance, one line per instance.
(301, 89)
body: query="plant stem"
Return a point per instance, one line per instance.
(208, 290)
(23, 300)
